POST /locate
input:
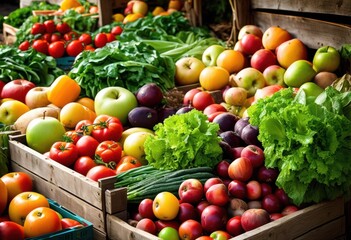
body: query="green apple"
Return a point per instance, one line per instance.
(327, 59)
(299, 72)
(311, 89)
(251, 79)
(43, 132)
(188, 70)
(115, 101)
(168, 233)
(210, 55)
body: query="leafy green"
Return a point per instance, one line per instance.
(309, 142)
(125, 64)
(30, 65)
(184, 141)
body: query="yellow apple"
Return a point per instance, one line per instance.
(140, 7)
(37, 97)
(188, 70)
(134, 145)
(11, 110)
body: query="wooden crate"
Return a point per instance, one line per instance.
(320, 221)
(87, 198)
(9, 34)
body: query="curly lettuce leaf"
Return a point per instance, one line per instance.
(184, 141)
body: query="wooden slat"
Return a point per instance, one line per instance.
(314, 33)
(335, 7)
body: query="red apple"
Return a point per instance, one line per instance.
(282, 196)
(266, 91)
(271, 203)
(202, 99)
(160, 224)
(187, 211)
(220, 235)
(213, 218)
(191, 191)
(222, 169)
(234, 227)
(210, 182)
(289, 209)
(267, 175)
(275, 216)
(254, 218)
(266, 189)
(145, 208)
(2, 84)
(190, 229)
(262, 59)
(217, 194)
(17, 182)
(240, 169)
(253, 190)
(212, 108)
(147, 225)
(237, 152)
(189, 95)
(255, 154)
(214, 115)
(237, 189)
(201, 206)
(253, 29)
(251, 43)
(17, 89)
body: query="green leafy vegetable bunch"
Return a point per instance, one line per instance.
(184, 141)
(309, 142)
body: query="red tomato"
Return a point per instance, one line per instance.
(57, 49)
(74, 48)
(100, 172)
(24, 45)
(85, 126)
(107, 128)
(69, 223)
(17, 182)
(110, 37)
(117, 30)
(100, 40)
(50, 26)
(40, 221)
(126, 163)
(89, 48)
(86, 146)
(109, 151)
(47, 37)
(63, 28)
(41, 46)
(72, 136)
(10, 230)
(83, 164)
(85, 38)
(38, 28)
(55, 37)
(65, 153)
(72, 35)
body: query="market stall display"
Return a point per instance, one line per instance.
(161, 129)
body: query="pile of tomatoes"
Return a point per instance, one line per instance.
(92, 149)
(59, 40)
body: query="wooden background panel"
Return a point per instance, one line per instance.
(337, 7)
(314, 33)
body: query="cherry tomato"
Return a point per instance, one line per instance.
(83, 164)
(47, 37)
(126, 163)
(100, 40)
(69, 223)
(72, 136)
(85, 38)
(41, 46)
(55, 37)
(100, 172)
(84, 126)
(110, 37)
(63, 28)
(107, 128)
(72, 35)
(40, 221)
(74, 48)
(10, 230)
(24, 46)
(57, 49)
(109, 151)
(87, 145)
(50, 26)
(89, 48)
(65, 153)
(38, 28)
(117, 30)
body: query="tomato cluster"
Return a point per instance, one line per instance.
(59, 39)
(92, 148)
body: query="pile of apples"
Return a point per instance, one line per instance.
(23, 211)
(260, 63)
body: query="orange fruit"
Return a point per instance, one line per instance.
(231, 60)
(158, 10)
(68, 4)
(290, 51)
(88, 102)
(274, 36)
(214, 78)
(175, 4)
